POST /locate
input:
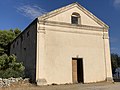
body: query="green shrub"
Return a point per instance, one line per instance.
(9, 67)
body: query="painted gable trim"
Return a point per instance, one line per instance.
(68, 7)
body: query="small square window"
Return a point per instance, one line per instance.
(74, 20)
(28, 34)
(17, 42)
(21, 38)
(24, 49)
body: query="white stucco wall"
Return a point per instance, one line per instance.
(61, 47)
(61, 41)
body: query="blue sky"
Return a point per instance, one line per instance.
(20, 13)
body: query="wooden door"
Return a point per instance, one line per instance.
(74, 71)
(77, 70)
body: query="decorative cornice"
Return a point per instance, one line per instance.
(105, 36)
(68, 25)
(105, 30)
(40, 29)
(77, 32)
(51, 26)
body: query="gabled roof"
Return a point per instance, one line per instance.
(60, 10)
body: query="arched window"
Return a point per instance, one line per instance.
(75, 18)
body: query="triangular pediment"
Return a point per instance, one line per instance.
(63, 15)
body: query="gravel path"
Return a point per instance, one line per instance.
(98, 86)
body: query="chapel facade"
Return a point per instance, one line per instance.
(67, 45)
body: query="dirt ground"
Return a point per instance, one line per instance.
(97, 86)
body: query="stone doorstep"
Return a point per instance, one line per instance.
(41, 82)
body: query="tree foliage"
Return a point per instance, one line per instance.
(7, 36)
(9, 67)
(16, 31)
(115, 60)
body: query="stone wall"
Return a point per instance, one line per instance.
(11, 81)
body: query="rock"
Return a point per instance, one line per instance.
(41, 82)
(0, 79)
(1, 83)
(17, 79)
(26, 80)
(12, 80)
(6, 82)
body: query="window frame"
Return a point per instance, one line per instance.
(77, 17)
